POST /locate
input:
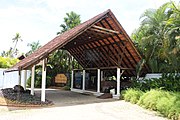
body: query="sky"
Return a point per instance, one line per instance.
(40, 19)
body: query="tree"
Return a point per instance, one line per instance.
(61, 60)
(16, 39)
(70, 22)
(173, 33)
(6, 62)
(156, 38)
(34, 46)
(7, 53)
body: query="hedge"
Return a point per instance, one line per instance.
(165, 102)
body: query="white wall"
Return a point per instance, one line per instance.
(153, 75)
(10, 79)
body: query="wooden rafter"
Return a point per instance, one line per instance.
(120, 50)
(102, 29)
(122, 42)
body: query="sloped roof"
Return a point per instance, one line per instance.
(96, 43)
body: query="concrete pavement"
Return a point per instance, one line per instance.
(116, 110)
(75, 106)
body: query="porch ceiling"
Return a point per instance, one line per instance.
(105, 44)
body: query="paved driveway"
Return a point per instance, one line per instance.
(68, 98)
(81, 107)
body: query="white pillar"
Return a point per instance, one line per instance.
(19, 72)
(118, 81)
(84, 79)
(43, 87)
(102, 76)
(25, 78)
(98, 80)
(32, 79)
(72, 79)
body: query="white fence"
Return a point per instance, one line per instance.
(10, 79)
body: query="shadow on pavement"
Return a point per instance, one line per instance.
(64, 98)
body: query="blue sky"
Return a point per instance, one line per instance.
(40, 19)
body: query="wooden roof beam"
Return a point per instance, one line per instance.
(102, 29)
(109, 67)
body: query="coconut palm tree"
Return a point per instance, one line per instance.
(154, 38)
(16, 39)
(70, 22)
(34, 46)
(173, 33)
(61, 60)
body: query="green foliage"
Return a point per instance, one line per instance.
(7, 53)
(66, 87)
(13, 51)
(34, 46)
(170, 82)
(167, 103)
(132, 95)
(71, 21)
(6, 62)
(174, 111)
(38, 79)
(158, 39)
(61, 61)
(15, 40)
(164, 102)
(150, 99)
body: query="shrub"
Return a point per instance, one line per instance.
(6, 62)
(66, 88)
(149, 99)
(167, 103)
(123, 92)
(174, 111)
(132, 95)
(38, 80)
(169, 82)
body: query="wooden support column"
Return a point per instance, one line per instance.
(19, 73)
(32, 79)
(25, 79)
(43, 87)
(72, 79)
(84, 80)
(98, 80)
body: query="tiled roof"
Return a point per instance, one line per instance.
(99, 42)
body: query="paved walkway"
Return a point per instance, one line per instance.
(82, 107)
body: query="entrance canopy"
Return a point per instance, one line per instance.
(100, 42)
